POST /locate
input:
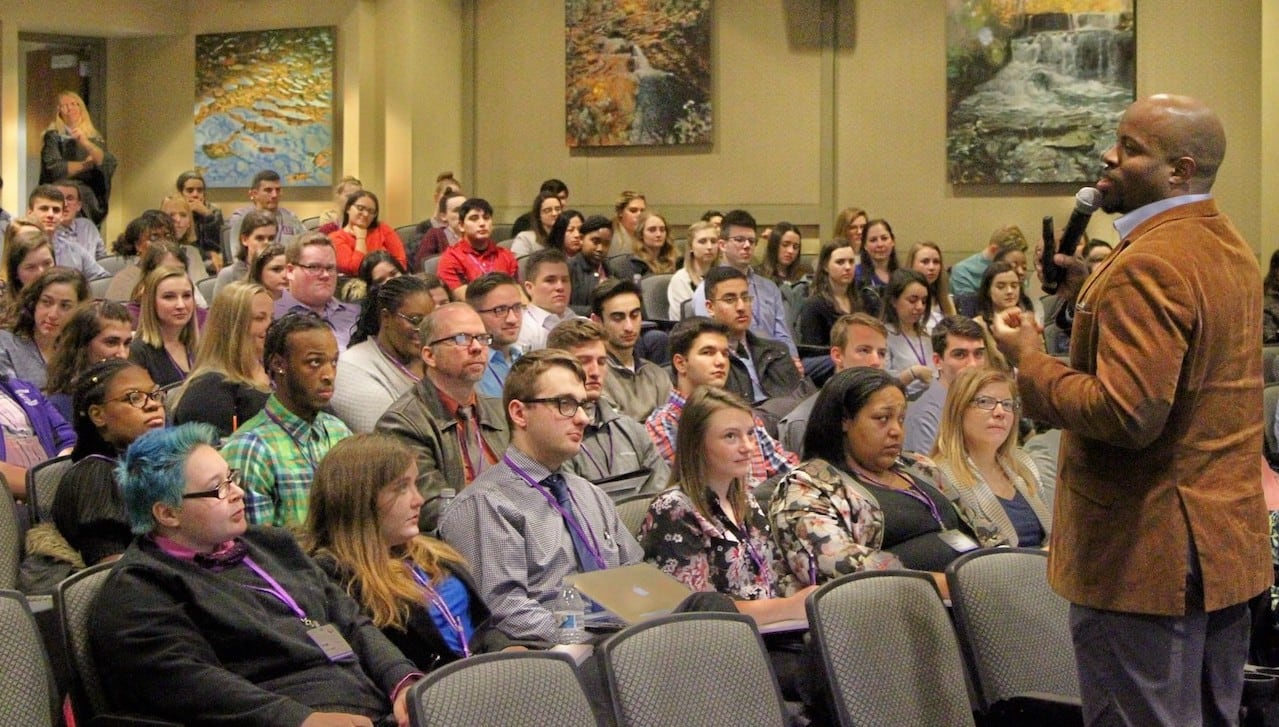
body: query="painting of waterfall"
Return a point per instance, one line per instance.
(638, 73)
(1035, 88)
(264, 100)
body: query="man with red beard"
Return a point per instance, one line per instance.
(278, 450)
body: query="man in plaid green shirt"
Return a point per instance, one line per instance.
(279, 449)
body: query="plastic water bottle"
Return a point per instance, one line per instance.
(570, 610)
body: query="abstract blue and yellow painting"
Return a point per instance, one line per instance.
(264, 100)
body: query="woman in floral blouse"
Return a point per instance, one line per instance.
(707, 530)
(856, 504)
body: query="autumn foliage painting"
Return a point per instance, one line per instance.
(1035, 88)
(264, 100)
(638, 72)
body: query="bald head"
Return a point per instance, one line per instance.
(1167, 146)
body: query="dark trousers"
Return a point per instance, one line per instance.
(1180, 671)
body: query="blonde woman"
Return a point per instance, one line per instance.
(229, 383)
(992, 482)
(629, 208)
(702, 255)
(653, 255)
(849, 224)
(73, 149)
(167, 329)
(925, 258)
(362, 529)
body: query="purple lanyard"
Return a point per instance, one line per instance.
(569, 518)
(438, 601)
(918, 354)
(911, 491)
(275, 589)
(303, 449)
(743, 537)
(396, 363)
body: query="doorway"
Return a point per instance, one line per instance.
(52, 64)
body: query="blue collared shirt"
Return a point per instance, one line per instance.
(495, 373)
(1126, 224)
(768, 310)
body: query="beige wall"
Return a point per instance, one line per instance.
(819, 104)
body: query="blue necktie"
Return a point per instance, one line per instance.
(559, 488)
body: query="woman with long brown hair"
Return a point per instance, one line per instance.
(362, 529)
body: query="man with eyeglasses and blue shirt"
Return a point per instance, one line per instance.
(311, 265)
(455, 433)
(527, 522)
(496, 297)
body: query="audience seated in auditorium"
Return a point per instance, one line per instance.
(527, 522)
(653, 254)
(44, 207)
(385, 357)
(168, 333)
(97, 331)
(438, 239)
(855, 340)
(361, 233)
(311, 266)
(700, 357)
(925, 258)
(115, 403)
(782, 262)
(28, 254)
(634, 386)
(455, 433)
(853, 505)
(76, 228)
(279, 448)
(551, 186)
(982, 470)
(206, 217)
(496, 297)
(257, 231)
(965, 276)
(330, 220)
(476, 253)
(627, 211)
(229, 384)
(906, 305)
(702, 255)
(957, 344)
(546, 210)
(271, 270)
(264, 196)
(768, 311)
(849, 224)
(547, 285)
(44, 308)
(223, 621)
(876, 263)
(832, 294)
(617, 454)
(587, 268)
(362, 530)
(760, 368)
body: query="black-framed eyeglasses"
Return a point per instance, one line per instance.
(138, 399)
(567, 406)
(317, 268)
(222, 491)
(463, 340)
(1012, 406)
(415, 321)
(501, 311)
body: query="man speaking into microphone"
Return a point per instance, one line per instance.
(1160, 533)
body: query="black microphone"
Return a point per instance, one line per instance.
(1086, 202)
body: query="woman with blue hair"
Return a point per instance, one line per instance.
(226, 623)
